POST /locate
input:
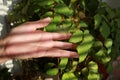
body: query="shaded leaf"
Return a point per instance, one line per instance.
(97, 21)
(83, 24)
(111, 13)
(105, 30)
(85, 71)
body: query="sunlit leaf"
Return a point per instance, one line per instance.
(76, 37)
(108, 44)
(105, 59)
(74, 65)
(93, 67)
(45, 2)
(93, 76)
(105, 30)
(47, 14)
(52, 71)
(51, 27)
(57, 19)
(63, 9)
(84, 47)
(87, 36)
(68, 76)
(63, 63)
(102, 56)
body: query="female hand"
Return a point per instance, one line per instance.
(24, 41)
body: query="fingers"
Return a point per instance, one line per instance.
(54, 52)
(36, 36)
(37, 46)
(31, 26)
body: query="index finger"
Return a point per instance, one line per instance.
(31, 26)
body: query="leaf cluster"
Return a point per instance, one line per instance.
(95, 28)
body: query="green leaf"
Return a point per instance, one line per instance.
(76, 37)
(83, 24)
(93, 76)
(47, 14)
(102, 56)
(108, 43)
(88, 37)
(105, 59)
(97, 21)
(111, 13)
(83, 4)
(93, 67)
(97, 45)
(57, 19)
(45, 2)
(105, 30)
(63, 9)
(49, 65)
(84, 47)
(69, 76)
(51, 27)
(85, 71)
(63, 63)
(52, 72)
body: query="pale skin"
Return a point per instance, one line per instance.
(24, 42)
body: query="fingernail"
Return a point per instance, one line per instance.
(74, 55)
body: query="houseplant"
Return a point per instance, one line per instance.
(94, 26)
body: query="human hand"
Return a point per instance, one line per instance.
(24, 41)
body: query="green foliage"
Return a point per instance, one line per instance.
(95, 28)
(76, 37)
(68, 76)
(52, 72)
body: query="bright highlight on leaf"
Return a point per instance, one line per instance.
(76, 37)
(84, 47)
(68, 76)
(93, 67)
(108, 44)
(63, 63)
(92, 76)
